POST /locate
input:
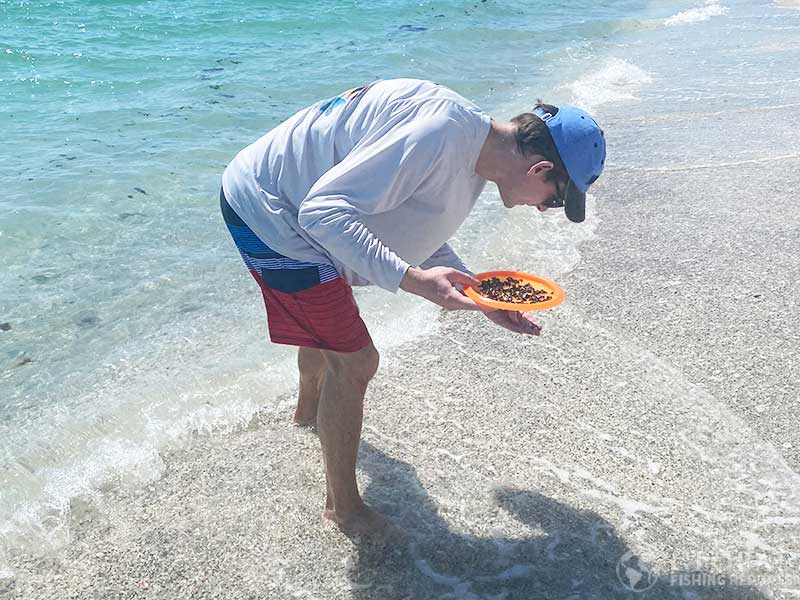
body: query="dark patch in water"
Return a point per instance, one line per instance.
(412, 28)
(215, 86)
(42, 278)
(213, 70)
(88, 320)
(127, 215)
(22, 359)
(5, 326)
(227, 95)
(140, 190)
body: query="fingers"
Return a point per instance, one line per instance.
(455, 276)
(531, 324)
(516, 322)
(459, 302)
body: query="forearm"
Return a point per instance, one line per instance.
(342, 233)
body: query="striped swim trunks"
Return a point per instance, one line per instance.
(308, 304)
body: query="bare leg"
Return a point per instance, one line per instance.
(311, 365)
(339, 420)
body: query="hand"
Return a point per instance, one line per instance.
(437, 284)
(515, 321)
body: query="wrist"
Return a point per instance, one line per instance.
(410, 279)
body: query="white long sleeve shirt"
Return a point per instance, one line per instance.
(371, 181)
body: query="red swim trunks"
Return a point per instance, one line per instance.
(308, 304)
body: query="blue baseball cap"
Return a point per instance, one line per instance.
(581, 146)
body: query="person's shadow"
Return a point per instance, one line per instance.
(577, 555)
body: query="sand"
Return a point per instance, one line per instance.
(634, 424)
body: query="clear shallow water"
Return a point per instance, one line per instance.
(130, 320)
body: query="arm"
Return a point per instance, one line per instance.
(377, 176)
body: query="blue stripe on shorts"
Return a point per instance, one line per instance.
(278, 272)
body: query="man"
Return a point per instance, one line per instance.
(366, 188)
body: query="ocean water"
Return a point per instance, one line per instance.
(127, 321)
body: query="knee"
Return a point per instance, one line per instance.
(358, 367)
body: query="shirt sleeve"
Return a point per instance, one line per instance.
(445, 257)
(378, 175)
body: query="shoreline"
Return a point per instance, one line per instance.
(654, 417)
(502, 491)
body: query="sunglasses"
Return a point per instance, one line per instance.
(560, 197)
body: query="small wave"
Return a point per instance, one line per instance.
(617, 80)
(712, 8)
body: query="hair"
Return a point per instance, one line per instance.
(533, 138)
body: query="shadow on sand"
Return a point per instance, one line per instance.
(576, 554)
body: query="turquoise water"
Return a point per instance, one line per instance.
(128, 322)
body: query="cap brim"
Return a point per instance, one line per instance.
(575, 204)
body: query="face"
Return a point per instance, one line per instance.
(534, 186)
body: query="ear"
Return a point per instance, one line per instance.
(540, 166)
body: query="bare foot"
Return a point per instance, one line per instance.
(365, 522)
(305, 422)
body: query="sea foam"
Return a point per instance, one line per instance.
(615, 81)
(712, 8)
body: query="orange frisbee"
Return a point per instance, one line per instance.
(538, 282)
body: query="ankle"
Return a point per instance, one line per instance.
(348, 510)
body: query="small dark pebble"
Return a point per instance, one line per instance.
(23, 360)
(756, 295)
(5, 326)
(140, 190)
(215, 86)
(130, 195)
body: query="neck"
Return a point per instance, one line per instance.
(499, 153)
